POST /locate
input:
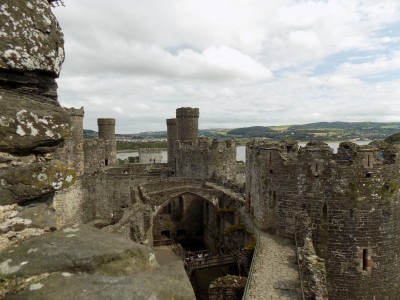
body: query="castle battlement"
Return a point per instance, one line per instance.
(187, 112)
(75, 112)
(171, 121)
(105, 121)
(373, 154)
(352, 198)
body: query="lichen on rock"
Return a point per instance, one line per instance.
(30, 181)
(30, 37)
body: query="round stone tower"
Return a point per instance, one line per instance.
(187, 121)
(107, 135)
(77, 138)
(172, 136)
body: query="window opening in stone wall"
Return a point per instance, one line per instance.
(199, 233)
(365, 259)
(369, 162)
(316, 174)
(181, 233)
(368, 175)
(106, 162)
(270, 158)
(181, 204)
(166, 233)
(325, 212)
(352, 213)
(273, 198)
(271, 171)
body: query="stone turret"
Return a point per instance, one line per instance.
(107, 134)
(172, 136)
(187, 121)
(77, 138)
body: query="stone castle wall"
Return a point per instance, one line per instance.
(182, 218)
(201, 161)
(102, 151)
(352, 199)
(94, 153)
(150, 155)
(190, 156)
(69, 204)
(72, 152)
(106, 194)
(172, 136)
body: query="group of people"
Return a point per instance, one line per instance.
(193, 259)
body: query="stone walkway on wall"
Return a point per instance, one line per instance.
(275, 271)
(275, 274)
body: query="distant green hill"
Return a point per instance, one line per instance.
(394, 138)
(90, 134)
(325, 131)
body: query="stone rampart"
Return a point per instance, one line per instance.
(201, 161)
(352, 198)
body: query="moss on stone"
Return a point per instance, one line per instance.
(225, 210)
(388, 190)
(233, 228)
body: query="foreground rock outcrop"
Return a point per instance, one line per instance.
(84, 262)
(32, 122)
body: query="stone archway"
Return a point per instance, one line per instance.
(182, 218)
(218, 208)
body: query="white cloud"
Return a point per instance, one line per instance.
(139, 61)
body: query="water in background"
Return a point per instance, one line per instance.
(240, 151)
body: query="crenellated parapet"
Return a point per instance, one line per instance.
(75, 112)
(105, 122)
(187, 112)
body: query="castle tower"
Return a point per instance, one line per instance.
(187, 121)
(77, 156)
(352, 199)
(172, 136)
(107, 135)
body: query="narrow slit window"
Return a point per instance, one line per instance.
(365, 259)
(273, 198)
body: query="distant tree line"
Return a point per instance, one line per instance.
(122, 145)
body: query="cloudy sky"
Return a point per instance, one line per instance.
(242, 62)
